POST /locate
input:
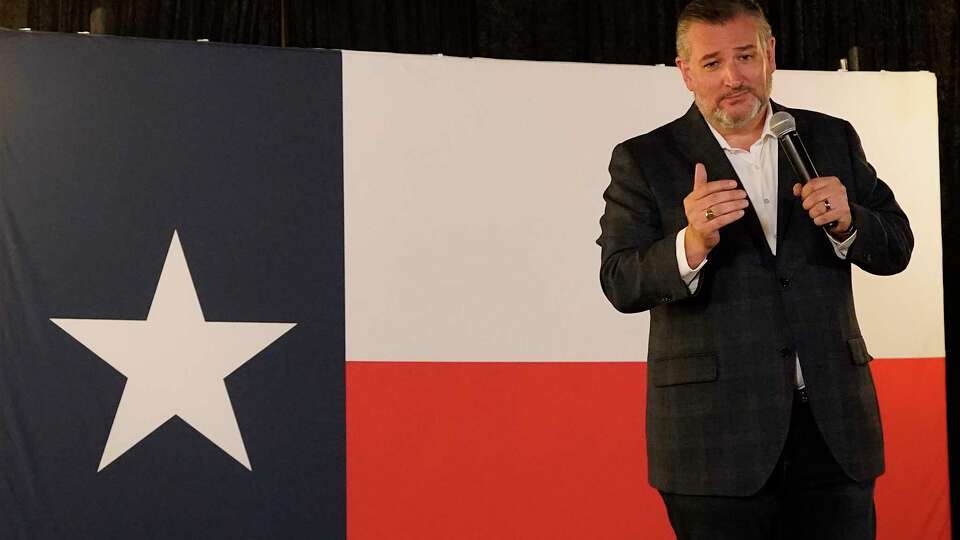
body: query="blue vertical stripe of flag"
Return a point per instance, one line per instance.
(108, 146)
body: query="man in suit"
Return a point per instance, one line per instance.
(762, 418)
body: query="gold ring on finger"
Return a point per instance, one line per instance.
(708, 213)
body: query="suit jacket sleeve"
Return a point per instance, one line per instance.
(884, 239)
(638, 268)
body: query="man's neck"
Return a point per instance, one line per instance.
(743, 137)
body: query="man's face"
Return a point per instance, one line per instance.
(728, 71)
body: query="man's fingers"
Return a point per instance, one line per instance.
(722, 197)
(797, 188)
(818, 197)
(713, 187)
(721, 221)
(829, 217)
(825, 200)
(816, 184)
(720, 213)
(728, 207)
(699, 175)
(702, 187)
(812, 185)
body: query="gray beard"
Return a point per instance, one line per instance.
(722, 121)
(727, 123)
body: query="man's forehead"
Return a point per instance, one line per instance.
(707, 39)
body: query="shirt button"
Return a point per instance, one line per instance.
(766, 201)
(784, 282)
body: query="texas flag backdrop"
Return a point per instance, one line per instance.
(257, 293)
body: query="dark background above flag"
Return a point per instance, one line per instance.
(890, 35)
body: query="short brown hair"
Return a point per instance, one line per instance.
(719, 12)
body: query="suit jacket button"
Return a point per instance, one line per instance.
(666, 299)
(784, 282)
(785, 352)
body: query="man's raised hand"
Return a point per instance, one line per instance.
(709, 207)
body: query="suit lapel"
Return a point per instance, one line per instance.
(704, 148)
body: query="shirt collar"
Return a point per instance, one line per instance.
(763, 135)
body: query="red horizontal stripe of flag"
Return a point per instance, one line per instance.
(478, 450)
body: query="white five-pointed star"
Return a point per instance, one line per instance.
(175, 363)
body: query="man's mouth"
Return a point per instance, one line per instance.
(736, 95)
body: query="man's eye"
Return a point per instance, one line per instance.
(746, 57)
(710, 65)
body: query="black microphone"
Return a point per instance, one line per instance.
(784, 127)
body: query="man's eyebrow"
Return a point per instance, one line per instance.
(710, 56)
(741, 48)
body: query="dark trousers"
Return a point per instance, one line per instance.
(808, 497)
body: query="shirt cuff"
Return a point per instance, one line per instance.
(691, 276)
(840, 248)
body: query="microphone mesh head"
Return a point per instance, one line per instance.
(782, 123)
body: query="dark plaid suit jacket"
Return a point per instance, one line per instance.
(721, 360)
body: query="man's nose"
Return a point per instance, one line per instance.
(732, 76)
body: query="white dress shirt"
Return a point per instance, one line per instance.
(757, 169)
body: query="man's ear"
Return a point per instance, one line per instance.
(684, 68)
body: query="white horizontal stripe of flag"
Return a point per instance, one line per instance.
(473, 194)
